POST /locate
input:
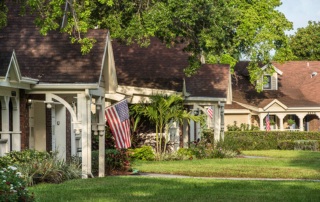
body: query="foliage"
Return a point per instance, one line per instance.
(262, 140)
(115, 160)
(144, 153)
(162, 110)
(38, 166)
(109, 140)
(304, 43)
(312, 145)
(286, 145)
(12, 186)
(291, 122)
(242, 127)
(221, 31)
(3, 14)
(25, 156)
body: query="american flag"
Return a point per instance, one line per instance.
(210, 112)
(117, 117)
(268, 122)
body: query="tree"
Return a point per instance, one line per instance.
(3, 14)
(219, 30)
(305, 42)
(162, 110)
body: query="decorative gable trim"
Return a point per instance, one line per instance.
(13, 77)
(275, 68)
(275, 101)
(184, 89)
(13, 69)
(247, 106)
(108, 75)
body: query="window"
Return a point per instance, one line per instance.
(267, 82)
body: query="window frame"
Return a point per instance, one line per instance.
(267, 86)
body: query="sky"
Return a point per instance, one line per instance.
(300, 12)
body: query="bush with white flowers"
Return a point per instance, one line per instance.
(12, 186)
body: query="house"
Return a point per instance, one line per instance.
(142, 72)
(48, 90)
(289, 93)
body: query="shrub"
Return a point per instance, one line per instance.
(185, 153)
(38, 166)
(12, 186)
(262, 140)
(115, 160)
(25, 156)
(286, 145)
(144, 153)
(312, 145)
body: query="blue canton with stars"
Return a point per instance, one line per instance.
(122, 110)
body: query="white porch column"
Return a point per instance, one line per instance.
(261, 117)
(192, 134)
(281, 117)
(185, 133)
(101, 130)
(16, 133)
(301, 116)
(217, 123)
(222, 121)
(5, 134)
(84, 116)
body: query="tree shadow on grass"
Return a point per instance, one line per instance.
(137, 188)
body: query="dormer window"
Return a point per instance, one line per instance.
(267, 82)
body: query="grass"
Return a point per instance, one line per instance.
(282, 164)
(137, 188)
(276, 164)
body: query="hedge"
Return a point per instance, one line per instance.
(262, 140)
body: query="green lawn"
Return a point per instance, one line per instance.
(282, 164)
(275, 164)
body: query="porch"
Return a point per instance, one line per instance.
(291, 121)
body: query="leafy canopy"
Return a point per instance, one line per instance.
(221, 31)
(305, 42)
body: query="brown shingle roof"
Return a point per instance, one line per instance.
(296, 88)
(210, 81)
(160, 67)
(51, 58)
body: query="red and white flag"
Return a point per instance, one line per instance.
(268, 122)
(117, 117)
(210, 112)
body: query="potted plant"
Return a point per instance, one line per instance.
(291, 122)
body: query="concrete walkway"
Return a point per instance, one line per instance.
(220, 178)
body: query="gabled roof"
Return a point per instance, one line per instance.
(159, 67)
(296, 87)
(51, 58)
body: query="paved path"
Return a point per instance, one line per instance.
(221, 178)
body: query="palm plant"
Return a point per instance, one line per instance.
(162, 110)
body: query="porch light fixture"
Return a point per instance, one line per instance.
(49, 106)
(29, 103)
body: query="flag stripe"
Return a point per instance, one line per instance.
(117, 117)
(210, 112)
(268, 122)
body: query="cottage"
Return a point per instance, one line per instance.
(289, 97)
(48, 88)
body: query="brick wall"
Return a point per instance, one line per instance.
(48, 130)
(24, 120)
(313, 123)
